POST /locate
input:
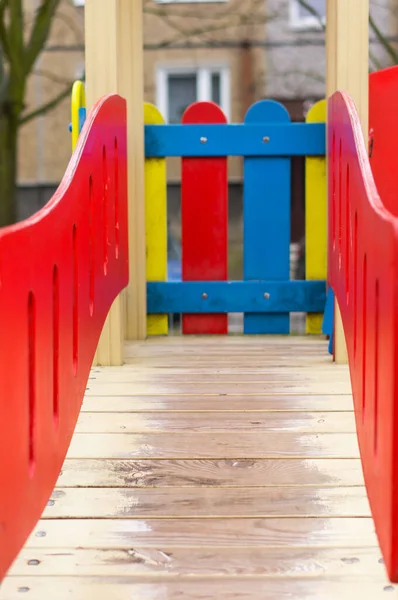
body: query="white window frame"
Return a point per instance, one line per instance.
(300, 23)
(79, 2)
(203, 72)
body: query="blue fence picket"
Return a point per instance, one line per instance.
(266, 219)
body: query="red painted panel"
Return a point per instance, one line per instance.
(59, 273)
(383, 133)
(363, 271)
(204, 208)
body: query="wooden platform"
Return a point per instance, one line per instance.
(222, 468)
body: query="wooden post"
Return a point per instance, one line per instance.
(347, 53)
(114, 64)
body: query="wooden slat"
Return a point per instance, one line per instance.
(366, 587)
(203, 445)
(275, 361)
(93, 422)
(208, 562)
(221, 402)
(212, 502)
(231, 376)
(130, 374)
(155, 221)
(186, 533)
(228, 464)
(204, 220)
(266, 216)
(290, 386)
(197, 473)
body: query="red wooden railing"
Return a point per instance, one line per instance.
(363, 271)
(59, 273)
(383, 131)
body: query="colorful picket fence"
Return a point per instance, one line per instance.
(267, 140)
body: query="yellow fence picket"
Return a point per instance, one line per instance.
(156, 221)
(78, 102)
(315, 216)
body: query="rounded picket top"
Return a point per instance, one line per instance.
(152, 115)
(203, 112)
(317, 112)
(267, 111)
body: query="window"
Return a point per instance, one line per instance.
(78, 2)
(302, 18)
(178, 87)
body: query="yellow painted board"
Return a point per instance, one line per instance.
(156, 221)
(78, 102)
(315, 216)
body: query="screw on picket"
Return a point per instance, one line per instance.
(203, 140)
(266, 139)
(267, 296)
(204, 296)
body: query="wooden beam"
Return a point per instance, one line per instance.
(114, 54)
(347, 54)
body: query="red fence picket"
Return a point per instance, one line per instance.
(60, 270)
(204, 208)
(363, 271)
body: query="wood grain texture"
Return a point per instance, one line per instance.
(91, 422)
(367, 587)
(284, 444)
(220, 403)
(228, 376)
(224, 483)
(211, 502)
(174, 563)
(219, 473)
(186, 533)
(178, 388)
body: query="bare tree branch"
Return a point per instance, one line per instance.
(313, 12)
(4, 38)
(40, 31)
(71, 24)
(51, 76)
(392, 53)
(44, 108)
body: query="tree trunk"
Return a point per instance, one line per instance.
(8, 169)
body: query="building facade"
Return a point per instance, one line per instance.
(193, 51)
(295, 46)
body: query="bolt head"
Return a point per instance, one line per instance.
(266, 296)
(204, 296)
(41, 534)
(266, 139)
(203, 140)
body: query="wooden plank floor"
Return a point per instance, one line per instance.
(223, 468)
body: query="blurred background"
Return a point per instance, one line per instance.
(233, 52)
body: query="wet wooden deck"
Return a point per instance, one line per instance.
(222, 468)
